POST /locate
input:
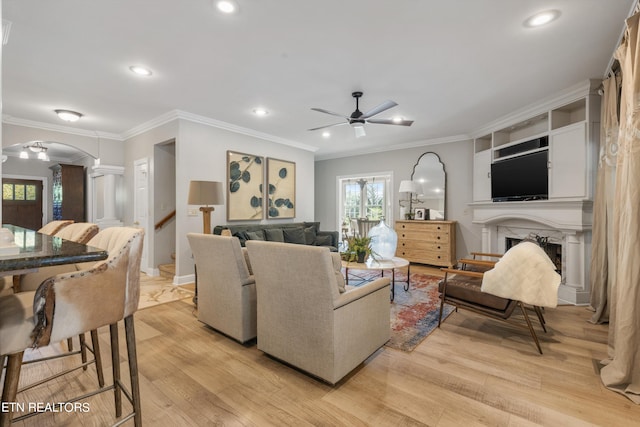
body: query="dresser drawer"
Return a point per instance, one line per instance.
(424, 246)
(422, 226)
(424, 235)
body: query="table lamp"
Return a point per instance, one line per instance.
(206, 193)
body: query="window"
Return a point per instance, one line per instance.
(19, 192)
(364, 197)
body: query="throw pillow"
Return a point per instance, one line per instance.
(255, 235)
(242, 236)
(310, 235)
(323, 240)
(274, 234)
(294, 235)
(337, 266)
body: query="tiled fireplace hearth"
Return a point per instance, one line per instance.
(564, 223)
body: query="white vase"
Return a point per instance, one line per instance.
(384, 241)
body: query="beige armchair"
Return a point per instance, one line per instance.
(226, 288)
(303, 317)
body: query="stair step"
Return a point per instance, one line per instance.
(167, 270)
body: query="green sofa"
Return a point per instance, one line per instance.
(304, 233)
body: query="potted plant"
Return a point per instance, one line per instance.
(358, 249)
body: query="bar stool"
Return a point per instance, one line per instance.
(53, 227)
(69, 304)
(79, 232)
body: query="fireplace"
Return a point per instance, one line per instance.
(563, 226)
(553, 250)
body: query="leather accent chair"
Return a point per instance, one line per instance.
(70, 304)
(462, 289)
(226, 288)
(305, 320)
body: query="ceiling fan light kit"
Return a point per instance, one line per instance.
(357, 119)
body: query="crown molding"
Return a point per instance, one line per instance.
(404, 146)
(195, 118)
(58, 128)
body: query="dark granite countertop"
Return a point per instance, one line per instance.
(41, 250)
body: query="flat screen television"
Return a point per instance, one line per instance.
(520, 178)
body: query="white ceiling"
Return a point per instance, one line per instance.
(452, 66)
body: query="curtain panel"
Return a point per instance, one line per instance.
(622, 370)
(602, 249)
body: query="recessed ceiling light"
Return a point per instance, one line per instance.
(227, 6)
(68, 115)
(397, 119)
(326, 134)
(260, 112)
(140, 70)
(542, 18)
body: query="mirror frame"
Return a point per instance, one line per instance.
(444, 213)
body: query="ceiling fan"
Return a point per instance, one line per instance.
(357, 119)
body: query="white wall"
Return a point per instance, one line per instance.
(136, 148)
(458, 163)
(200, 152)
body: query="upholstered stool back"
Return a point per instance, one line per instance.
(53, 227)
(79, 232)
(69, 304)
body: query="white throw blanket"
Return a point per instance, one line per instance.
(524, 273)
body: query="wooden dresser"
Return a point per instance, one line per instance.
(427, 242)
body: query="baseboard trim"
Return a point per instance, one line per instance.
(182, 280)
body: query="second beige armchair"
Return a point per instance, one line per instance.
(226, 289)
(307, 319)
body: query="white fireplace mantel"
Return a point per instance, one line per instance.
(560, 215)
(567, 222)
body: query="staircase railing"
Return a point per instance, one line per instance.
(164, 220)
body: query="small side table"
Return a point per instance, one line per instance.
(381, 265)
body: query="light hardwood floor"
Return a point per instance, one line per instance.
(472, 371)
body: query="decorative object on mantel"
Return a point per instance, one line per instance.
(384, 240)
(281, 184)
(206, 193)
(245, 174)
(410, 187)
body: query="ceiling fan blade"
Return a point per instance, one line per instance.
(379, 109)
(391, 122)
(330, 112)
(359, 131)
(328, 126)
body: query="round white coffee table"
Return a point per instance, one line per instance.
(381, 265)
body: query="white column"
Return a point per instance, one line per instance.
(108, 174)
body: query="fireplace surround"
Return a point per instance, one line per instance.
(564, 223)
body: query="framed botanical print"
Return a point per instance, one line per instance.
(245, 179)
(281, 184)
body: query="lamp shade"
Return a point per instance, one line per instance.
(409, 187)
(205, 193)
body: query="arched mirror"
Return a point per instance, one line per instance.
(429, 173)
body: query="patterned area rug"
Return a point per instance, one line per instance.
(414, 313)
(158, 290)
